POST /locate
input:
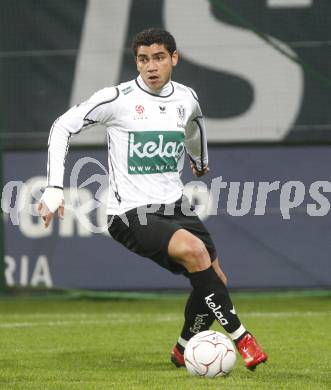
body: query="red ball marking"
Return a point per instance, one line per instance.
(140, 109)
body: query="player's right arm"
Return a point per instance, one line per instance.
(93, 111)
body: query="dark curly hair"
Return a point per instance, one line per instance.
(154, 35)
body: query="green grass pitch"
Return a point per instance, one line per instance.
(57, 343)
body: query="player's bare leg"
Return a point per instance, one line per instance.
(219, 271)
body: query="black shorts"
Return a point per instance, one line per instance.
(152, 238)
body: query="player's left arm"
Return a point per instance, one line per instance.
(196, 141)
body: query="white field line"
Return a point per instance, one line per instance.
(77, 319)
(73, 315)
(116, 315)
(286, 314)
(10, 325)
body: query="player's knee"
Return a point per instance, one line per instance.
(196, 255)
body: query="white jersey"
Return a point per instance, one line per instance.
(147, 136)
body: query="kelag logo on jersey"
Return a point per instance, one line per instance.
(154, 151)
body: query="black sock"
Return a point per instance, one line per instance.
(197, 319)
(209, 289)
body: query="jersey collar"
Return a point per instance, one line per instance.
(166, 91)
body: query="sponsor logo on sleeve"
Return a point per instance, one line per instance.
(127, 90)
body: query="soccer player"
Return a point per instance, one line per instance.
(150, 122)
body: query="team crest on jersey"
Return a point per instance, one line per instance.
(154, 151)
(180, 112)
(181, 115)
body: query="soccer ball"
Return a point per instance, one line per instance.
(210, 354)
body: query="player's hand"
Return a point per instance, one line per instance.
(198, 173)
(47, 215)
(50, 202)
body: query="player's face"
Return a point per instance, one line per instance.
(154, 63)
